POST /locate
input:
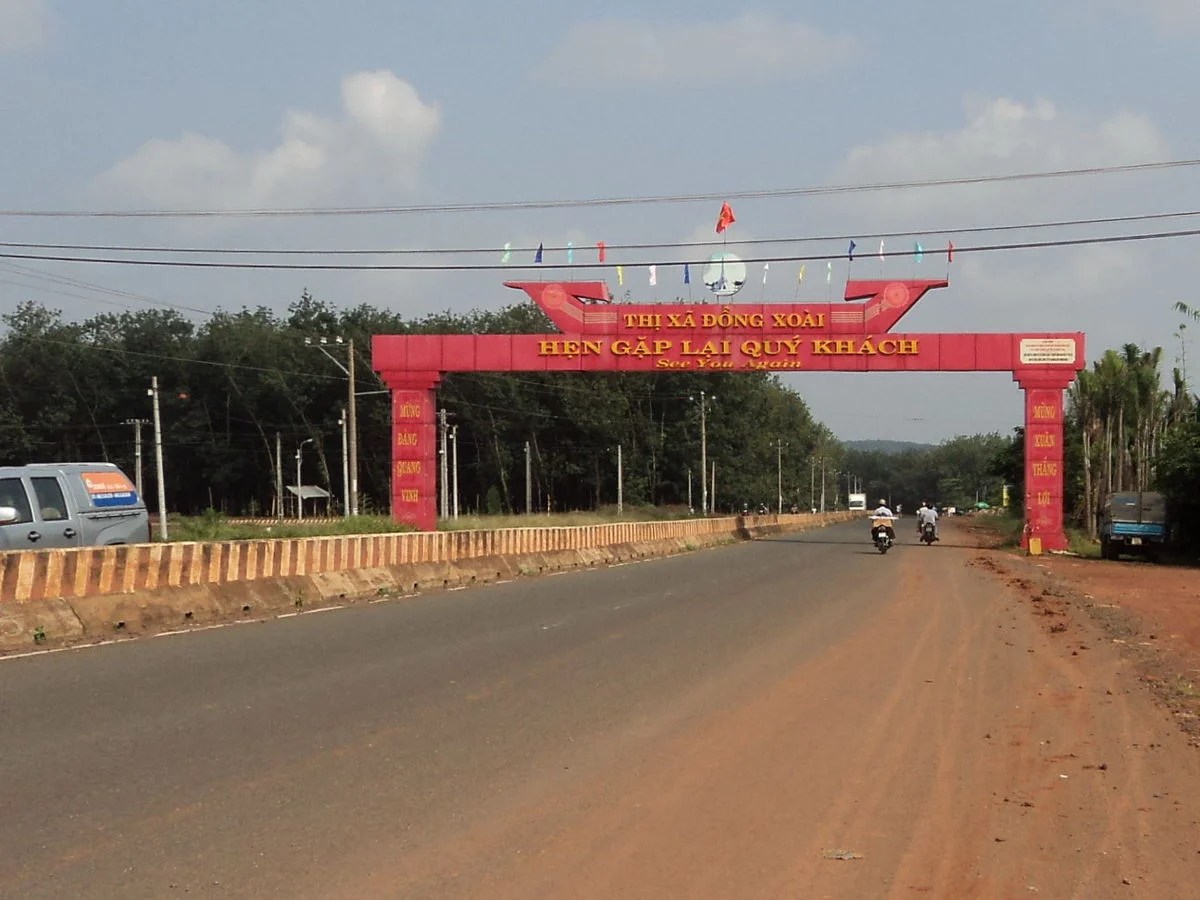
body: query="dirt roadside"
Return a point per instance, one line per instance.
(1150, 612)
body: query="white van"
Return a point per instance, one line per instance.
(69, 505)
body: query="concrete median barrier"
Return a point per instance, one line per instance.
(52, 597)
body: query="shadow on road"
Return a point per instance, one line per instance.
(850, 542)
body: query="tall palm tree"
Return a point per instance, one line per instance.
(1151, 404)
(1181, 405)
(1084, 402)
(1130, 411)
(1110, 395)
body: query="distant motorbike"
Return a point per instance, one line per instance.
(928, 533)
(883, 534)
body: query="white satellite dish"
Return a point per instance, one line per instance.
(724, 273)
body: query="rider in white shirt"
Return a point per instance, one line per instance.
(928, 514)
(882, 512)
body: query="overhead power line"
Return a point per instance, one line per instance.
(41, 289)
(669, 245)
(77, 284)
(186, 360)
(494, 267)
(506, 205)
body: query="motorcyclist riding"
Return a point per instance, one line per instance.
(927, 514)
(883, 512)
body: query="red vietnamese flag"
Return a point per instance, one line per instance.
(950, 251)
(726, 218)
(600, 246)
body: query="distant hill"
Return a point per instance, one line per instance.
(887, 446)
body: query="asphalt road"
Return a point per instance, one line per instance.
(417, 748)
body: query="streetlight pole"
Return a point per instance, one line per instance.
(353, 426)
(705, 507)
(279, 476)
(158, 461)
(443, 464)
(299, 483)
(703, 457)
(779, 471)
(454, 441)
(137, 452)
(822, 484)
(714, 483)
(620, 484)
(345, 468)
(528, 482)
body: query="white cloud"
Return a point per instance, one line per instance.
(750, 47)
(1112, 292)
(1170, 16)
(24, 24)
(1003, 136)
(380, 141)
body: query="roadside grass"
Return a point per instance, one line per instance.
(1186, 687)
(213, 526)
(1005, 528)
(604, 516)
(1079, 543)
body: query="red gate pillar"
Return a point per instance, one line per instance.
(414, 451)
(1044, 457)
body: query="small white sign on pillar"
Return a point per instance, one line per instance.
(1047, 351)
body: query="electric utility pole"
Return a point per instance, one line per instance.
(443, 464)
(353, 425)
(705, 506)
(279, 475)
(158, 461)
(528, 482)
(345, 466)
(454, 463)
(779, 471)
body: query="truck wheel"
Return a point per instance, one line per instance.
(1106, 549)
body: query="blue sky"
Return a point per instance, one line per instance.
(273, 104)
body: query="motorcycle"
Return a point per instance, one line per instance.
(928, 533)
(882, 533)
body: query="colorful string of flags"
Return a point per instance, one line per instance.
(724, 219)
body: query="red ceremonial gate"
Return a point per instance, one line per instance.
(598, 335)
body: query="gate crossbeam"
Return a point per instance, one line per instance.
(602, 336)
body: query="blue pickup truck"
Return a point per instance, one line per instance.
(1134, 523)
